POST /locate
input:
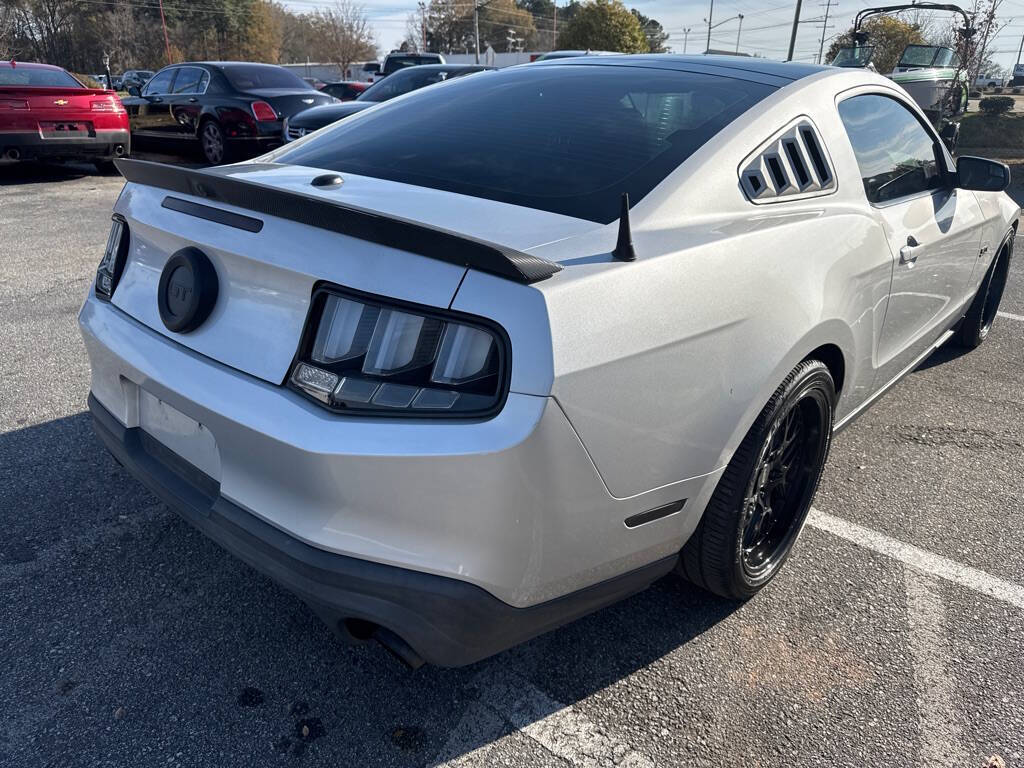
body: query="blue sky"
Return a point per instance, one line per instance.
(766, 23)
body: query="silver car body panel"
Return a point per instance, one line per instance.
(632, 383)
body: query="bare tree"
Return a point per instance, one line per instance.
(46, 25)
(345, 35)
(7, 46)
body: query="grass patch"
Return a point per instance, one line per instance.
(1002, 131)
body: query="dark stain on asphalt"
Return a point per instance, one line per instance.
(64, 687)
(408, 738)
(298, 709)
(18, 550)
(250, 697)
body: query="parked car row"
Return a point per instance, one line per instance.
(226, 110)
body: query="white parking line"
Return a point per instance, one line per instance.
(560, 729)
(1011, 316)
(941, 736)
(920, 559)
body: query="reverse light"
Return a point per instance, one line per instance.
(263, 111)
(114, 257)
(13, 104)
(365, 355)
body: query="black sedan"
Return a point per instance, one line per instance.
(401, 82)
(231, 110)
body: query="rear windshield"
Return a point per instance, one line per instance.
(395, 63)
(248, 77)
(38, 78)
(568, 139)
(408, 80)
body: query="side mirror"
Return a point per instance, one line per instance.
(983, 175)
(133, 90)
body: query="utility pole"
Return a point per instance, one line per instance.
(824, 26)
(686, 35)
(738, 32)
(792, 37)
(1019, 50)
(167, 42)
(423, 24)
(711, 14)
(554, 33)
(476, 29)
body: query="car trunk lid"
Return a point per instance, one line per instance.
(268, 265)
(287, 102)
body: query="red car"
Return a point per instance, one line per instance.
(47, 114)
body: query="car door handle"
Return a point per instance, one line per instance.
(193, 100)
(908, 253)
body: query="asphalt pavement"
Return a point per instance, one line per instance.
(895, 636)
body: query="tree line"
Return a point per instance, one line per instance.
(78, 34)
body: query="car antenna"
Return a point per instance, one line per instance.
(624, 247)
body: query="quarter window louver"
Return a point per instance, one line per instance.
(791, 165)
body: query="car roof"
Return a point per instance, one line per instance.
(786, 70)
(444, 68)
(29, 65)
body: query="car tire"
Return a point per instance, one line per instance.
(980, 315)
(213, 143)
(741, 542)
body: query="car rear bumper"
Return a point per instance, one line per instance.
(445, 621)
(95, 145)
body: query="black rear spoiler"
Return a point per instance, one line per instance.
(392, 231)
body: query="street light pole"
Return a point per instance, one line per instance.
(792, 37)
(686, 34)
(711, 14)
(824, 27)
(476, 29)
(423, 24)
(738, 33)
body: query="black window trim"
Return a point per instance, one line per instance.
(942, 158)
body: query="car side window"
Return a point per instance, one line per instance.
(896, 155)
(161, 83)
(190, 80)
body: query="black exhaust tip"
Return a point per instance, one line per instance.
(400, 649)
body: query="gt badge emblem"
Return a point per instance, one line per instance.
(307, 101)
(187, 290)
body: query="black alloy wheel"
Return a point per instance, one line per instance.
(762, 499)
(984, 308)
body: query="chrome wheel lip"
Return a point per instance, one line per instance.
(761, 551)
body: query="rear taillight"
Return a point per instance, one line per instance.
(364, 355)
(108, 104)
(13, 104)
(263, 111)
(114, 257)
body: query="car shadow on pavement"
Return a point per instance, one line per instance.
(944, 354)
(46, 173)
(117, 603)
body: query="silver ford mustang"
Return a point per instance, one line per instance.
(487, 357)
